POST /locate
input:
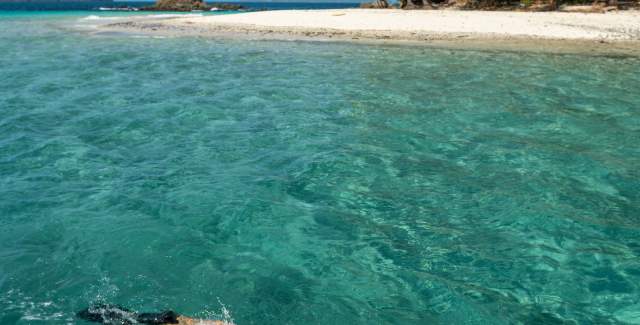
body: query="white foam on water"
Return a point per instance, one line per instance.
(108, 18)
(95, 17)
(93, 21)
(223, 314)
(91, 17)
(171, 16)
(31, 309)
(41, 317)
(226, 314)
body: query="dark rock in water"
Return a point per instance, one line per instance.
(190, 5)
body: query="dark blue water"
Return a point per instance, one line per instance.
(94, 5)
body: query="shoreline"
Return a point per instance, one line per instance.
(586, 33)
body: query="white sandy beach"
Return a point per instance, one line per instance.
(408, 25)
(621, 25)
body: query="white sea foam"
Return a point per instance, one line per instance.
(170, 16)
(31, 309)
(226, 313)
(138, 17)
(223, 314)
(103, 18)
(92, 17)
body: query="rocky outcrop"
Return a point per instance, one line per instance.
(190, 5)
(416, 4)
(180, 5)
(377, 4)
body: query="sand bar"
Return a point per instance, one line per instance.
(613, 30)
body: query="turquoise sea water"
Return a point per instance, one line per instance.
(49, 6)
(314, 183)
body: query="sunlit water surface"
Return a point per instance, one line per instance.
(314, 183)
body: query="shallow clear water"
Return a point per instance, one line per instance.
(314, 183)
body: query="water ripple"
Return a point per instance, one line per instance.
(315, 183)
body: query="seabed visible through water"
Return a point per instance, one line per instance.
(308, 183)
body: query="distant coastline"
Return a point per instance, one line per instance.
(63, 5)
